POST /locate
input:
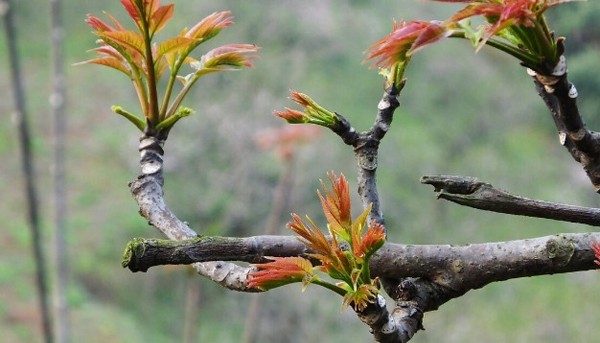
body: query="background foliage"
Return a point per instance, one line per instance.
(460, 113)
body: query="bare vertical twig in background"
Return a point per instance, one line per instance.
(192, 299)
(28, 170)
(57, 105)
(280, 199)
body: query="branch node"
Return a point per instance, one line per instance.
(151, 152)
(560, 250)
(367, 159)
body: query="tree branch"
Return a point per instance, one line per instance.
(141, 254)
(456, 267)
(560, 96)
(366, 150)
(431, 274)
(147, 190)
(469, 191)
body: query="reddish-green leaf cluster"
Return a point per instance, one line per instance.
(405, 40)
(343, 255)
(517, 27)
(313, 112)
(134, 53)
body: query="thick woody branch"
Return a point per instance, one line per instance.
(459, 268)
(472, 266)
(470, 191)
(431, 274)
(560, 96)
(141, 254)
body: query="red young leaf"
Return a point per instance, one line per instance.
(312, 236)
(227, 57)
(406, 39)
(108, 51)
(109, 62)
(432, 33)
(282, 271)
(97, 24)
(161, 17)
(292, 116)
(301, 98)
(210, 26)
(115, 22)
(371, 241)
(133, 10)
(336, 204)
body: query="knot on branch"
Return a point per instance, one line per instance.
(366, 153)
(550, 78)
(560, 250)
(151, 154)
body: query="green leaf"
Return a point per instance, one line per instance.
(128, 39)
(175, 44)
(109, 62)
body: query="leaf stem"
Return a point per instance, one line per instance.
(171, 120)
(171, 83)
(150, 73)
(135, 120)
(329, 286)
(182, 93)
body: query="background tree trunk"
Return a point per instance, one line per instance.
(192, 308)
(31, 194)
(57, 104)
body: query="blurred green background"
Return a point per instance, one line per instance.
(461, 113)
